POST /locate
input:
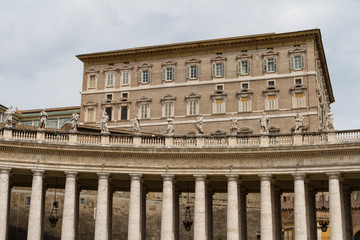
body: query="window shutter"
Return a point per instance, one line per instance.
(275, 64)
(213, 69)
(265, 64)
(163, 75)
(197, 71)
(302, 61)
(291, 62)
(187, 74)
(223, 69)
(239, 67)
(140, 76)
(173, 69)
(149, 75)
(249, 66)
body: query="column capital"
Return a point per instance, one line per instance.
(200, 177)
(71, 174)
(103, 175)
(232, 177)
(265, 177)
(135, 176)
(333, 175)
(5, 170)
(168, 177)
(299, 176)
(38, 172)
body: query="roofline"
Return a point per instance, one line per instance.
(48, 109)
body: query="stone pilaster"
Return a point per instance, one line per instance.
(200, 228)
(134, 225)
(102, 211)
(335, 209)
(266, 208)
(167, 213)
(301, 221)
(36, 206)
(233, 223)
(4, 202)
(69, 221)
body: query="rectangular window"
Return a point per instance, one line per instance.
(168, 109)
(245, 104)
(298, 100)
(192, 107)
(193, 72)
(297, 63)
(108, 96)
(245, 86)
(124, 95)
(271, 102)
(27, 201)
(270, 65)
(125, 78)
(124, 112)
(170, 74)
(220, 87)
(110, 79)
(218, 105)
(245, 67)
(92, 81)
(298, 81)
(82, 201)
(271, 83)
(145, 76)
(219, 70)
(144, 111)
(90, 115)
(108, 111)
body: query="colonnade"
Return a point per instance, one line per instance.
(270, 218)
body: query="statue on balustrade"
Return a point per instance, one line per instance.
(9, 117)
(198, 124)
(171, 127)
(234, 124)
(104, 121)
(264, 124)
(299, 123)
(74, 122)
(43, 120)
(136, 122)
(329, 120)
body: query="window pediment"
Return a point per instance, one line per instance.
(243, 56)
(143, 99)
(94, 71)
(168, 64)
(298, 87)
(244, 92)
(90, 104)
(145, 66)
(108, 102)
(192, 96)
(218, 93)
(124, 101)
(110, 69)
(125, 68)
(193, 61)
(270, 53)
(271, 89)
(297, 51)
(273, 129)
(168, 98)
(218, 59)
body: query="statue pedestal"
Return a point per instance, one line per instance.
(169, 141)
(297, 138)
(232, 140)
(40, 136)
(105, 138)
(264, 140)
(7, 133)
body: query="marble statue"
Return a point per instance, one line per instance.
(264, 124)
(171, 127)
(104, 121)
(299, 123)
(74, 122)
(43, 120)
(136, 122)
(234, 124)
(198, 124)
(9, 117)
(329, 120)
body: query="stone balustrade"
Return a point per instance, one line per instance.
(183, 141)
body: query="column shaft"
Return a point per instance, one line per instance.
(69, 223)
(4, 202)
(233, 223)
(134, 225)
(300, 212)
(36, 206)
(335, 209)
(102, 211)
(200, 230)
(167, 213)
(266, 208)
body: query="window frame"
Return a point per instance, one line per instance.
(244, 92)
(141, 73)
(216, 62)
(192, 101)
(95, 74)
(165, 101)
(188, 72)
(295, 53)
(244, 57)
(266, 57)
(219, 108)
(144, 102)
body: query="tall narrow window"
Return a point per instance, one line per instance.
(92, 81)
(192, 69)
(298, 99)
(218, 66)
(297, 58)
(244, 104)
(192, 107)
(271, 102)
(270, 61)
(144, 111)
(218, 97)
(110, 79)
(168, 108)
(90, 115)
(144, 75)
(125, 78)
(218, 105)
(124, 113)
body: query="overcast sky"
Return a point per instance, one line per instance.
(40, 38)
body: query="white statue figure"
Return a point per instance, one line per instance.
(136, 122)
(74, 122)
(234, 124)
(329, 120)
(171, 127)
(198, 124)
(104, 121)
(299, 123)
(264, 123)
(9, 117)
(43, 119)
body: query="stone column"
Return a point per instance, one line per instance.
(301, 221)
(243, 213)
(36, 206)
(134, 225)
(336, 216)
(69, 223)
(4, 202)
(102, 211)
(311, 203)
(347, 211)
(200, 229)
(277, 212)
(266, 209)
(233, 231)
(167, 212)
